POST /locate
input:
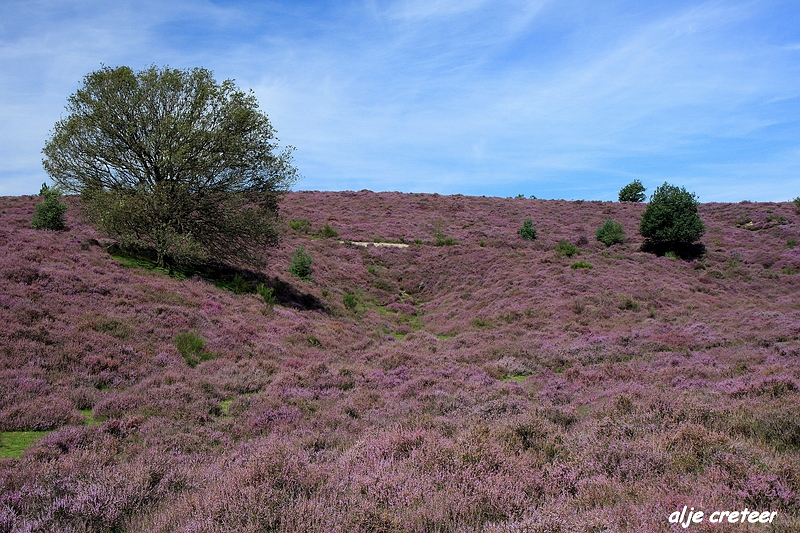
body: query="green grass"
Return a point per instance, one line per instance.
(224, 407)
(238, 284)
(190, 345)
(519, 378)
(14, 443)
(88, 414)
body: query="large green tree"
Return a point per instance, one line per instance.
(173, 161)
(671, 220)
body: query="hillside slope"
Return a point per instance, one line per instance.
(482, 386)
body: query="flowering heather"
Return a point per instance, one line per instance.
(485, 386)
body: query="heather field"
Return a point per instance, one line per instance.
(473, 381)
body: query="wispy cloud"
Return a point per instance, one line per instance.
(479, 97)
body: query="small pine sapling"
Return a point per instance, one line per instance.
(610, 233)
(327, 232)
(566, 248)
(527, 231)
(267, 293)
(301, 263)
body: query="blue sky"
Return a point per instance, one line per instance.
(557, 99)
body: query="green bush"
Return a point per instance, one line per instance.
(671, 220)
(190, 345)
(566, 248)
(581, 264)
(327, 232)
(632, 192)
(267, 293)
(49, 213)
(301, 263)
(610, 233)
(349, 300)
(438, 234)
(300, 226)
(527, 231)
(797, 203)
(240, 285)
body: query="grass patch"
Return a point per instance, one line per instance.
(14, 443)
(88, 414)
(190, 345)
(519, 378)
(581, 264)
(224, 407)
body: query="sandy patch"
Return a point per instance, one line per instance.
(376, 244)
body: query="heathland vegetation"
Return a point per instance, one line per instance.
(479, 379)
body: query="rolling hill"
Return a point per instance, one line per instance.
(471, 381)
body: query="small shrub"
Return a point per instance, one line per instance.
(791, 242)
(566, 248)
(797, 202)
(301, 263)
(190, 345)
(786, 269)
(240, 285)
(49, 213)
(349, 300)
(300, 226)
(628, 304)
(632, 192)
(527, 231)
(480, 322)
(610, 233)
(267, 293)
(327, 232)
(581, 264)
(438, 234)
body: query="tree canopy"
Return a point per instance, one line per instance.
(671, 220)
(172, 161)
(632, 192)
